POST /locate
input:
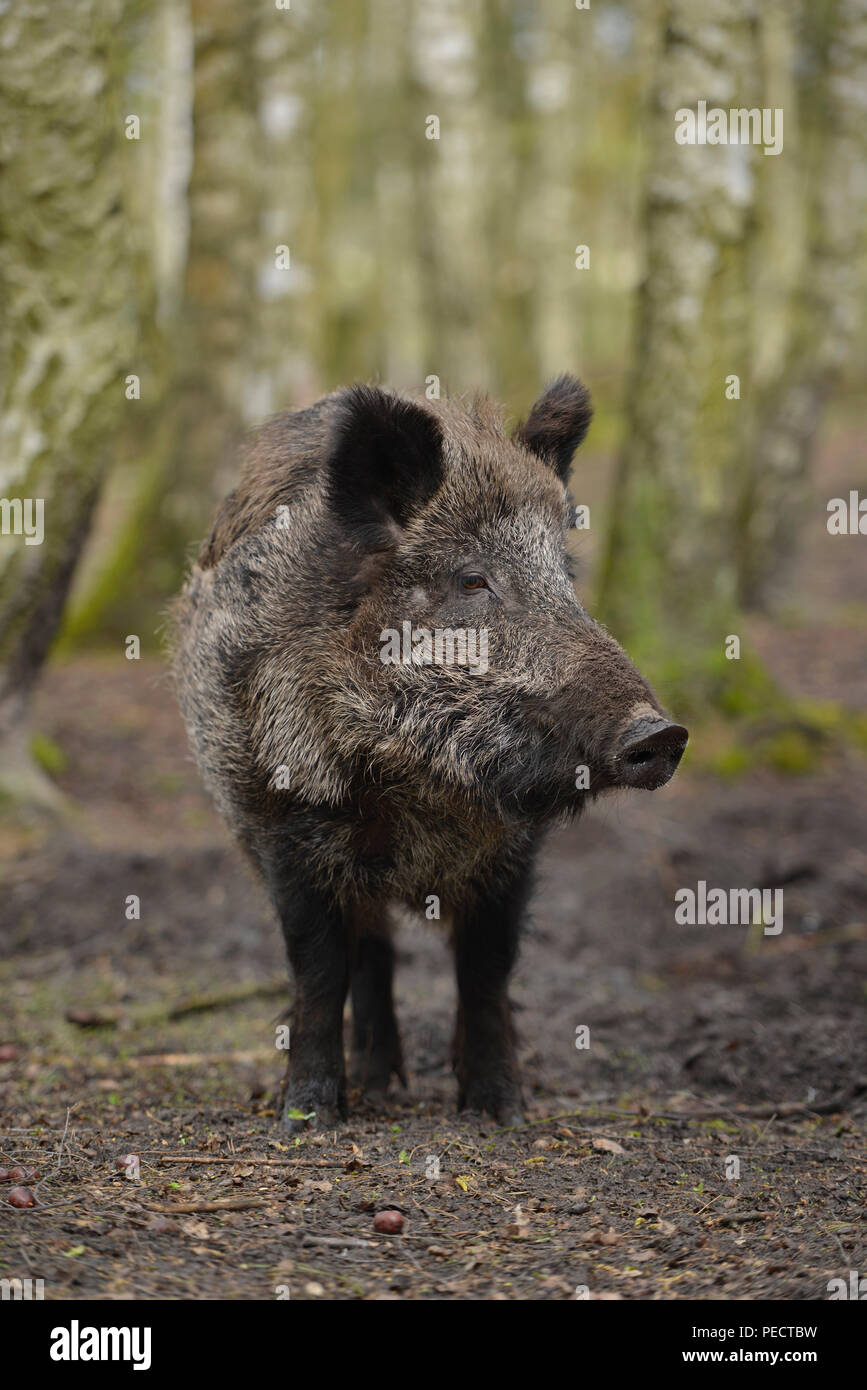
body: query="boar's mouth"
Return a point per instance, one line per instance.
(522, 755)
(644, 756)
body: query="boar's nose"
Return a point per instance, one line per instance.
(650, 753)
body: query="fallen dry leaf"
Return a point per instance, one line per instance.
(195, 1228)
(610, 1146)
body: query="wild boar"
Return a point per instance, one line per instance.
(357, 769)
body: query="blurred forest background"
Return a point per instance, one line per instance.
(212, 210)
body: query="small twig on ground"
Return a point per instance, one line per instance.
(737, 1218)
(233, 1162)
(193, 1059)
(200, 1003)
(63, 1138)
(219, 1204)
(703, 1209)
(340, 1243)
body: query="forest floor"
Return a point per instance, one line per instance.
(713, 1050)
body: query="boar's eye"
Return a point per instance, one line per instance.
(472, 583)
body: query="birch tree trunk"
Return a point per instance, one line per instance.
(669, 578)
(826, 304)
(67, 336)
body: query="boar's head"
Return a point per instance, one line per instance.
(482, 672)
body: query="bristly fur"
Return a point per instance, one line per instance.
(352, 784)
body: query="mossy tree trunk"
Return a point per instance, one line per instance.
(67, 335)
(113, 594)
(201, 395)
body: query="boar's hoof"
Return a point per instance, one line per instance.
(501, 1101)
(313, 1108)
(298, 1121)
(372, 1071)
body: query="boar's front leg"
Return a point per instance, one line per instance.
(317, 934)
(376, 1046)
(486, 935)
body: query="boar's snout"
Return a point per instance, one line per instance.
(649, 753)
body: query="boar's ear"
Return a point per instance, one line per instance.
(557, 423)
(385, 461)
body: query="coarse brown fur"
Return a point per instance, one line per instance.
(353, 783)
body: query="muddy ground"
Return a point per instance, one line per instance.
(708, 1144)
